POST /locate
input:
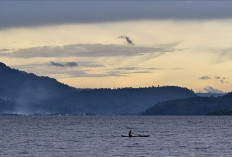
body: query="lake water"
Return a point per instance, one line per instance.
(99, 136)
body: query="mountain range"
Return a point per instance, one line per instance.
(27, 93)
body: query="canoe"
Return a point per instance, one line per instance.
(135, 136)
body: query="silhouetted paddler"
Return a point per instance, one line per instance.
(130, 134)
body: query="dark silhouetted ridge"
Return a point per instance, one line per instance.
(194, 106)
(26, 93)
(2, 65)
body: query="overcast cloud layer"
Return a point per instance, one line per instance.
(36, 13)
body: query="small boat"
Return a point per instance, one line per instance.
(135, 136)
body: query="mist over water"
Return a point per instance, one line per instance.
(101, 136)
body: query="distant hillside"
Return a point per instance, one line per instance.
(194, 106)
(14, 82)
(210, 94)
(129, 100)
(26, 93)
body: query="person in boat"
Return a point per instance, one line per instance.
(130, 134)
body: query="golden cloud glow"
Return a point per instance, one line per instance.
(198, 46)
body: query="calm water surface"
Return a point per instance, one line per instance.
(99, 136)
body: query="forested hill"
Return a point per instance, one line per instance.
(14, 82)
(26, 93)
(130, 100)
(194, 106)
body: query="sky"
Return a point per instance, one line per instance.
(124, 43)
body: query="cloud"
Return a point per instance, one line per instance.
(144, 68)
(209, 89)
(88, 50)
(47, 69)
(89, 64)
(85, 73)
(222, 55)
(56, 64)
(127, 68)
(136, 68)
(5, 50)
(68, 64)
(85, 69)
(221, 79)
(84, 64)
(71, 64)
(205, 78)
(128, 40)
(43, 70)
(142, 72)
(34, 13)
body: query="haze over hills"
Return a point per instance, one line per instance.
(210, 94)
(26, 93)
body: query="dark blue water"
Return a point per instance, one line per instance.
(101, 136)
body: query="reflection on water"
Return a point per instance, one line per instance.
(101, 136)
